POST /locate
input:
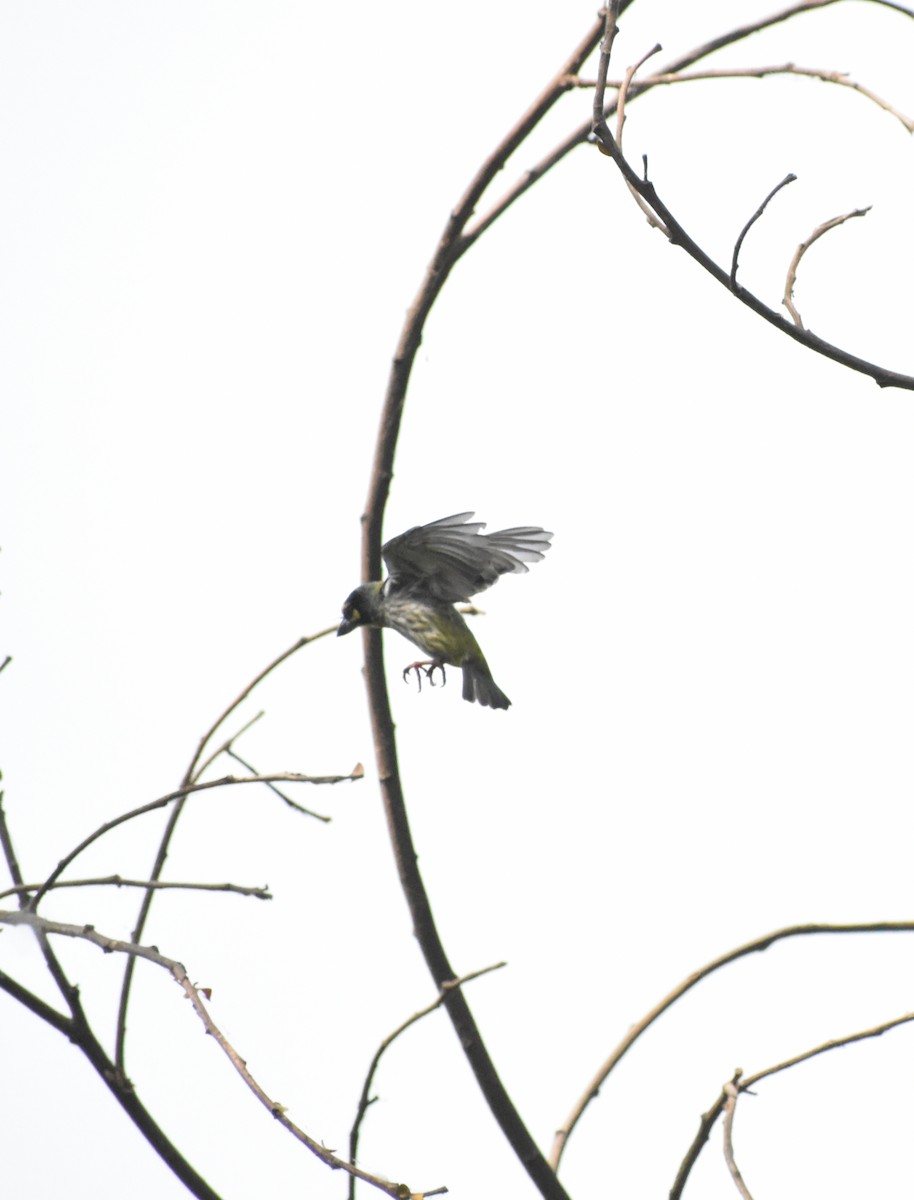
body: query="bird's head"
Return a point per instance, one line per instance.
(362, 607)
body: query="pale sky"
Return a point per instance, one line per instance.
(213, 219)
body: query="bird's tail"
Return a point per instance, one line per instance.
(479, 685)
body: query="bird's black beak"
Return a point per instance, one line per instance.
(345, 627)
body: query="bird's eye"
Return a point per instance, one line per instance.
(354, 615)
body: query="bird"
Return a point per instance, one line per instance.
(429, 569)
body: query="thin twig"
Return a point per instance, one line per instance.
(620, 122)
(626, 84)
(6, 662)
(801, 250)
(365, 1100)
(640, 1027)
(841, 78)
(731, 1091)
(835, 1044)
(791, 178)
(259, 893)
(193, 769)
(180, 795)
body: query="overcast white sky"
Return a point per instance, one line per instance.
(212, 220)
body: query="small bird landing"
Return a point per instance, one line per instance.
(428, 669)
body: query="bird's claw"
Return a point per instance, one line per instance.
(427, 669)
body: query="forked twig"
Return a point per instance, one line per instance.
(745, 1083)
(366, 1099)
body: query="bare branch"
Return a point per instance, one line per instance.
(180, 795)
(825, 1047)
(705, 1125)
(453, 243)
(709, 1118)
(179, 974)
(841, 78)
(626, 84)
(680, 237)
(259, 893)
(755, 216)
(672, 72)
(365, 1100)
(634, 1033)
(801, 250)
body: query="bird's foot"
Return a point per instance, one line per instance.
(427, 669)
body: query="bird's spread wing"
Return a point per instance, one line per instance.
(452, 559)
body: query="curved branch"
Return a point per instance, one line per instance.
(731, 1091)
(801, 250)
(679, 237)
(452, 244)
(791, 178)
(670, 73)
(754, 947)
